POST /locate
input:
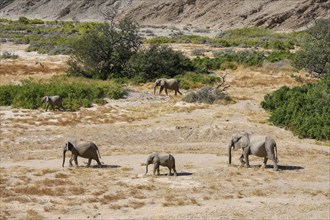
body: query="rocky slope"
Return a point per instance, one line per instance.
(282, 15)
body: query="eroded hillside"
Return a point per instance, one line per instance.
(280, 15)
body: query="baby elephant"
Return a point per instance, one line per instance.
(85, 149)
(166, 160)
(53, 100)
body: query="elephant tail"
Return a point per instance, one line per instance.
(98, 152)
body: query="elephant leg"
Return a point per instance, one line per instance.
(47, 106)
(271, 156)
(175, 92)
(275, 162)
(179, 92)
(264, 162)
(166, 91)
(160, 90)
(70, 161)
(241, 159)
(156, 168)
(98, 162)
(169, 172)
(76, 160)
(174, 170)
(89, 162)
(246, 156)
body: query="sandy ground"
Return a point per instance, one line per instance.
(35, 186)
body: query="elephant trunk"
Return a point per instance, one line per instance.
(229, 152)
(146, 169)
(155, 89)
(63, 158)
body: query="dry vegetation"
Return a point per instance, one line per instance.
(34, 186)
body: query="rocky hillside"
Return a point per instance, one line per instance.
(282, 15)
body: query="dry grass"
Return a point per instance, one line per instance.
(41, 191)
(112, 197)
(33, 215)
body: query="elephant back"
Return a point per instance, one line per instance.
(86, 149)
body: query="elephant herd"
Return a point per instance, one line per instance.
(262, 147)
(164, 84)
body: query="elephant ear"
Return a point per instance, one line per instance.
(71, 144)
(162, 82)
(243, 141)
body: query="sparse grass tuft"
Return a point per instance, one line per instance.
(33, 215)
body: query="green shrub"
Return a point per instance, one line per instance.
(193, 80)
(8, 55)
(103, 52)
(276, 56)
(305, 110)
(227, 59)
(75, 93)
(314, 54)
(156, 62)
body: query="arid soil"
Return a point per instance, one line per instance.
(35, 186)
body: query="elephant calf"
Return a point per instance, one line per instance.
(166, 160)
(85, 149)
(264, 146)
(53, 100)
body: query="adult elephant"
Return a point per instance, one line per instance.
(85, 149)
(52, 101)
(264, 146)
(171, 84)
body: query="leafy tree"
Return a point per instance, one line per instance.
(103, 51)
(305, 110)
(157, 61)
(315, 52)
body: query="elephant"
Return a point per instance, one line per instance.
(264, 146)
(166, 84)
(166, 160)
(85, 149)
(52, 100)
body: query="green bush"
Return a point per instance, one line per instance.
(305, 110)
(226, 59)
(314, 54)
(193, 80)
(8, 55)
(103, 52)
(75, 93)
(156, 62)
(276, 56)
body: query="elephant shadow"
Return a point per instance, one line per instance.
(106, 166)
(287, 167)
(185, 174)
(280, 167)
(179, 174)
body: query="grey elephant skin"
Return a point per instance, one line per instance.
(166, 160)
(263, 146)
(171, 84)
(85, 149)
(53, 101)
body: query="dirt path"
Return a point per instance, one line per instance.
(34, 185)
